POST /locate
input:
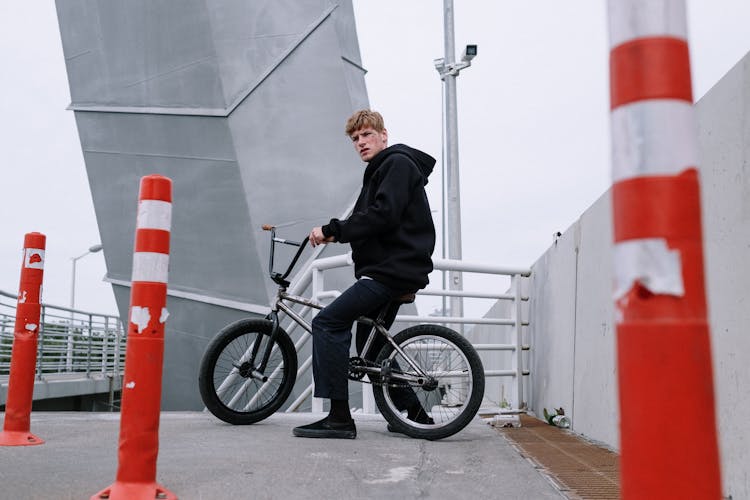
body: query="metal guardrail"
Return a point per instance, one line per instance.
(313, 276)
(70, 341)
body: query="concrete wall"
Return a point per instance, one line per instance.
(242, 104)
(572, 332)
(724, 137)
(64, 386)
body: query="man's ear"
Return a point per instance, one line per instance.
(385, 135)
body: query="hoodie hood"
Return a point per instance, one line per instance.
(390, 229)
(425, 163)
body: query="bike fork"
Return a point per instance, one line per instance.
(259, 371)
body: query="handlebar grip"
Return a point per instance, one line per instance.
(266, 227)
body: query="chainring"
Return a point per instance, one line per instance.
(354, 372)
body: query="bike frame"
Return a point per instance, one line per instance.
(280, 305)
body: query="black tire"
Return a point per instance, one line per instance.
(236, 402)
(455, 365)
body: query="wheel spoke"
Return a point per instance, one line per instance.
(234, 347)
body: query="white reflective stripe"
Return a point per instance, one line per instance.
(651, 263)
(653, 137)
(150, 266)
(154, 214)
(629, 19)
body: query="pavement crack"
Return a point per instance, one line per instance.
(426, 467)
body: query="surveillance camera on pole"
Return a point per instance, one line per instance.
(470, 52)
(448, 69)
(454, 68)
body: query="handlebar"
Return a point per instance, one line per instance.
(279, 278)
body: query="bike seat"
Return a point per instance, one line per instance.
(406, 298)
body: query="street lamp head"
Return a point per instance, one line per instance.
(470, 52)
(95, 248)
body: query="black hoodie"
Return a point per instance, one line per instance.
(390, 229)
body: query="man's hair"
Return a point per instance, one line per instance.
(364, 118)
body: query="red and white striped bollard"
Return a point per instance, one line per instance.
(668, 425)
(17, 425)
(141, 394)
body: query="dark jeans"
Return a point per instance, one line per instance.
(332, 336)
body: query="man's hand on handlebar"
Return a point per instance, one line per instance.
(318, 238)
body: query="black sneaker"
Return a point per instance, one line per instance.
(326, 429)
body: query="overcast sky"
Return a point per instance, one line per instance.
(533, 122)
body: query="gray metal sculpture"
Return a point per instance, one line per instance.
(242, 105)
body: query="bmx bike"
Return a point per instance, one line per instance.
(249, 368)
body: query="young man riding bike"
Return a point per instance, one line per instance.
(392, 238)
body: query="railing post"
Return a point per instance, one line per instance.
(88, 354)
(368, 400)
(118, 341)
(40, 349)
(317, 289)
(105, 354)
(69, 347)
(517, 317)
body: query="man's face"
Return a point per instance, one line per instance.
(368, 142)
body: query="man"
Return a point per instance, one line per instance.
(392, 238)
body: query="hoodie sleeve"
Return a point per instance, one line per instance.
(399, 176)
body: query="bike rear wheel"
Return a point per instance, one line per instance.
(442, 404)
(227, 386)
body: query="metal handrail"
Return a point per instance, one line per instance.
(70, 341)
(313, 275)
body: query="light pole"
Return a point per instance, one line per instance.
(92, 249)
(69, 350)
(449, 69)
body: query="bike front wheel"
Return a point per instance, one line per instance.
(230, 385)
(441, 400)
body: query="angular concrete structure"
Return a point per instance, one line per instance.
(242, 104)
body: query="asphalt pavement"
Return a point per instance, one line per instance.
(201, 457)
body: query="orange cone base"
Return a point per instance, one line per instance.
(135, 491)
(18, 438)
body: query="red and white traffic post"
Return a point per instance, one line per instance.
(141, 394)
(17, 425)
(663, 344)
